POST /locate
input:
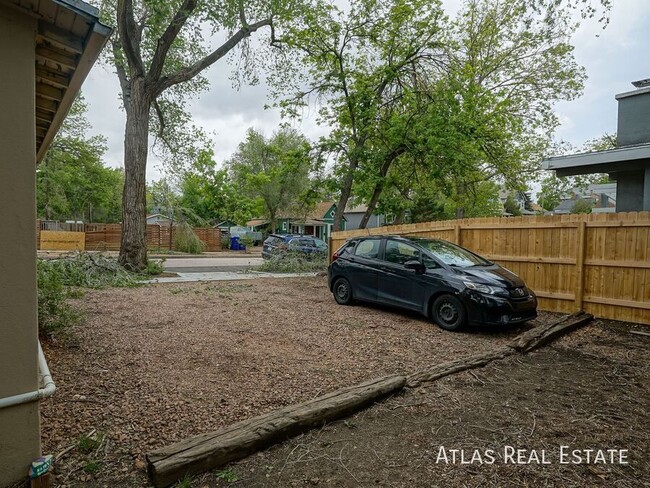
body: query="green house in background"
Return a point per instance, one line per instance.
(318, 222)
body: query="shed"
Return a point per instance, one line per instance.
(47, 48)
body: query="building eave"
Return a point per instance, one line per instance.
(598, 159)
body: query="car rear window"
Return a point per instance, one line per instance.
(368, 248)
(320, 244)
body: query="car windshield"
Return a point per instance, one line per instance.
(451, 254)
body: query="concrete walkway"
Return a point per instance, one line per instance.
(224, 276)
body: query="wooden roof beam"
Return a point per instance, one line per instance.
(54, 78)
(46, 105)
(59, 38)
(49, 92)
(56, 56)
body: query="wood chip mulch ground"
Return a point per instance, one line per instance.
(156, 364)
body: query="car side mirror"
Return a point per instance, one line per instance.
(416, 266)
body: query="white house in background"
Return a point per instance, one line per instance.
(519, 198)
(158, 219)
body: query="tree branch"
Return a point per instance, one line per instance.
(168, 37)
(189, 72)
(128, 32)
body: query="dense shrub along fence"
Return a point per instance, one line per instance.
(106, 237)
(599, 263)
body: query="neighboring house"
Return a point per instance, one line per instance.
(317, 222)
(225, 225)
(354, 214)
(566, 205)
(258, 225)
(520, 199)
(629, 163)
(158, 219)
(604, 196)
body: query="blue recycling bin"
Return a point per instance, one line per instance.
(234, 243)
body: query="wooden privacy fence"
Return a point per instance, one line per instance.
(106, 237)
(599, 263)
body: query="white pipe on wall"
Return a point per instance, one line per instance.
(46, 380)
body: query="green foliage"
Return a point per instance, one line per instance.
(72, 181)
(276, 169)
(511, 206)
(154, 267)
(54, 313)
(247, 241)
(581, 207)
(87, 444)
(88, 270)
(92, 467)
(554, 189)
(227, 475)
(212, 195)
(294, 262)
(185, 240)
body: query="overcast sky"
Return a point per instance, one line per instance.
(619, 55)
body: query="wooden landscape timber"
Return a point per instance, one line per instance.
(523, 343)
(216, 449)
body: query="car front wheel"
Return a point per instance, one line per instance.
(449, 313)
(342, 291)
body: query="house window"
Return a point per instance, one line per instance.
(284, 226)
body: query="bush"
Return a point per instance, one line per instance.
(185, 240)
(54, 312)
(294, 262)
(247, 241)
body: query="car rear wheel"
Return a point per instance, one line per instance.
(449, 313)
(342, 291)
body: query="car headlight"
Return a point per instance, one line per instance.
(490, 290)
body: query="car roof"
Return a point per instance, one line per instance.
(394, 237)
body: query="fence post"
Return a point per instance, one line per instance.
(580, 264)
(457, 238)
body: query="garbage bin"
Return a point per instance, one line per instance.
(234, 243)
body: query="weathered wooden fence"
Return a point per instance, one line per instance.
(106, 237)
(599, 263)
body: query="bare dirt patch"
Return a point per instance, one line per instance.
(156, 364)
(589, 390)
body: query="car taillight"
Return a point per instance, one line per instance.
(335, 256)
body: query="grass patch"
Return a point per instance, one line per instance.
(88, 444)
(92, 467)
(227, 475)
(294, 262)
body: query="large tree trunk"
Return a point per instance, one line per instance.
(379, 186)
(133, 246)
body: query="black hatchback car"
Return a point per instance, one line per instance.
(449, 284)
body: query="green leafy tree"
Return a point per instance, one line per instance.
(361, 64)
(159, 52)
(72, 181)
(511, 206)
(275, 170)
(213, 196)
(581, 207)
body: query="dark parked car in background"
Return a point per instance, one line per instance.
(443, 281)
(281, 243)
